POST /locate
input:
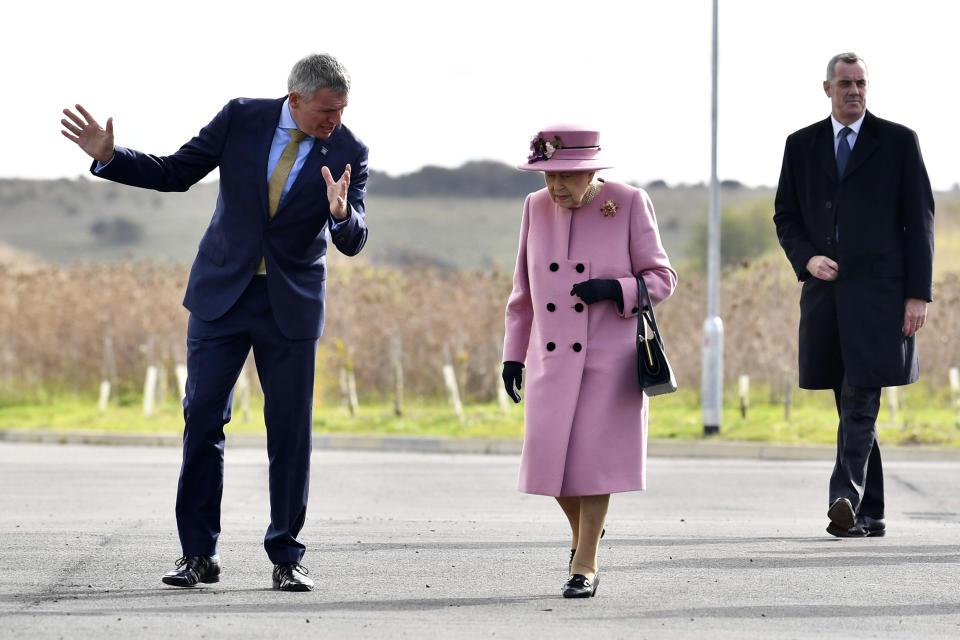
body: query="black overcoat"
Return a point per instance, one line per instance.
(876, 222)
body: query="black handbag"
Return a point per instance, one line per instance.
(653, 369)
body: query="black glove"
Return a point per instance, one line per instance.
(512, 375)
(597, 289)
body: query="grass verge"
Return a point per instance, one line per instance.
(925, 419)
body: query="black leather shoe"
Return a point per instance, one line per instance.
(579, 586)
(840, 532)
(872, 527)
(841, 514)
(291, 576)
(192, 570)
(865, 527)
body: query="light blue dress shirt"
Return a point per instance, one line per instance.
(280, 139)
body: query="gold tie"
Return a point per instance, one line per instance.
(279, 178)
(282, 171)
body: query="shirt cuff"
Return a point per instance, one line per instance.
(100, 165)
(334, 223)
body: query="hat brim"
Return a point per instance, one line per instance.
(556, 164)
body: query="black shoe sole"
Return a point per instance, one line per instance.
(839, 532)
(841, 514)
(175, 583)
(293, 587)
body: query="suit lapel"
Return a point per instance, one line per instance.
(310, 172)
(823, 150)
(867, 142)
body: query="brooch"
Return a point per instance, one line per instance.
(609, 208)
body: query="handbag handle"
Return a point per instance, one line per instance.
(645, 308)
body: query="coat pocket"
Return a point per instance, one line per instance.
(887, 269)
(315, 273)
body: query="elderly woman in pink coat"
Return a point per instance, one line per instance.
(571, 322)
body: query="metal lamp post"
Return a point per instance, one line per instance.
(711, 381)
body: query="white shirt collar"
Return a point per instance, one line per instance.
(837, 126)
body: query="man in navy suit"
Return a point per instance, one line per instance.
(290, 173)
(854, 215)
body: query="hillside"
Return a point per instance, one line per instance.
(448, 218)
(471, 221)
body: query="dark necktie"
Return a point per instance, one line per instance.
(843, 151)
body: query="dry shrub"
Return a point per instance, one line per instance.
(55, 319)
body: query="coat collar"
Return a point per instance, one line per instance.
(316, 159)
(868, 139)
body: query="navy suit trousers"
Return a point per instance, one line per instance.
(858, 470)
(216, 352)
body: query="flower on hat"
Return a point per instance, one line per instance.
(543, 149)
(609, 208)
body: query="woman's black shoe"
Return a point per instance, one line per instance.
(579, 586)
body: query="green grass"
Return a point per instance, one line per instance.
(925, 419)
(73, 413)
(813, 419)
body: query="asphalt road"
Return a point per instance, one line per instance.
(442, 546)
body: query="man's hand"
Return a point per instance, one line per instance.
(88, 135)
(337, 193)
(823, 268)
(914, 316)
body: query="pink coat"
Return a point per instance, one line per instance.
(585, 415)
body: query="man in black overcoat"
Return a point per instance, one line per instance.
(854, 214)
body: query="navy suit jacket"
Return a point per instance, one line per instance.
(293, 243)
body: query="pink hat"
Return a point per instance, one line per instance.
(565, 147)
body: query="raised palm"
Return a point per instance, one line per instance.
(337, 192)
(96, 141)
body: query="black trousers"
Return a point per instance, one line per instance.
(858, 472)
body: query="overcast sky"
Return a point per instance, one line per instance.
(445, 82)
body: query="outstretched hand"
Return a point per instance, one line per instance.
(88, 135)
(337, 193)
